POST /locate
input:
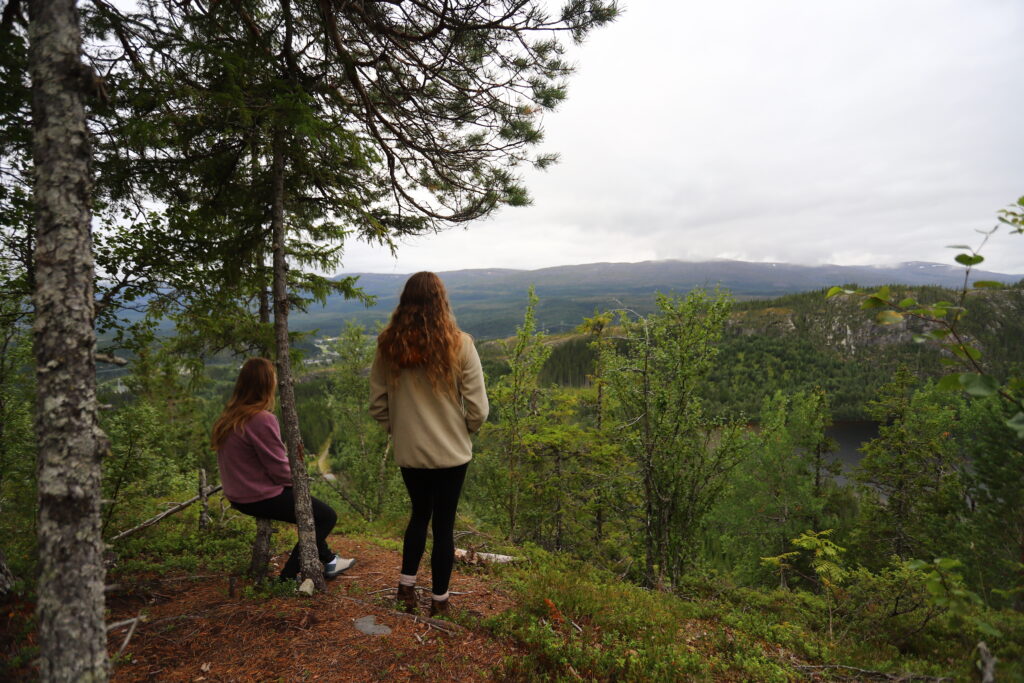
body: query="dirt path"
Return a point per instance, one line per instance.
(198, 629)
(322, 463)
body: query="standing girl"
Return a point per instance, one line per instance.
(254, 466)
(427, 390)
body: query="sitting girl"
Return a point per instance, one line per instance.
(254, 468)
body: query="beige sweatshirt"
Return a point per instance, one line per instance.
(430, 431)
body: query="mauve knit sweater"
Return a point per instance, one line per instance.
(254, 464)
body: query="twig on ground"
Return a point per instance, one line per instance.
(382, 590)
(131, 630)
(121, 624)
(577, 626)
(131, 624)
(430, 624)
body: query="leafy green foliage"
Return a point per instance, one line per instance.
(356, 450)
(911, 475)
(655, 373)
(782, 486)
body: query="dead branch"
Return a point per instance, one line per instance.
(879, 675)
(111, 358)
(131, 623)
(178, 507)
(473, 557)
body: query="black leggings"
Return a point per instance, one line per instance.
(434, 493)
(282, 508)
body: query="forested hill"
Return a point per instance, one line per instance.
(802, 341)
(489, 302)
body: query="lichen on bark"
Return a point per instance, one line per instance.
(70, 606)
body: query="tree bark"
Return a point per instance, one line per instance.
(6, 576)
(204, 502)
(261, 549)
(72, 634)
(311, 567)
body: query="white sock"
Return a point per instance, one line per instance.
(406, 580)
(440, 598)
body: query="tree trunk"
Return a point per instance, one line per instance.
(204, 502)
(72, 633)
(264, 527)
(261, 550)
(6, 576)
(311, 567)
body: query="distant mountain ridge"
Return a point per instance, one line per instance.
(489, 301)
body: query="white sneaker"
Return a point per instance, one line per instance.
(339, 565)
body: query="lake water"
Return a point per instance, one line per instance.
(850, 436)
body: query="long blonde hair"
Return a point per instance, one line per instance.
(423, 333)
(254, 392)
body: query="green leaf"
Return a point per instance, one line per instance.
(833, 291)
(957, 246)
(969, 259)
(988, 283)
(979, 385)
(889, 317)
(908, 302)
(1016, 423)
(949, 383)
(988, 629)
(873, 302)
(883, 293)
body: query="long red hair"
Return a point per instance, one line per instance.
(254, 392)
(423, 333)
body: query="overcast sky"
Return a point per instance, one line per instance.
(805, 131)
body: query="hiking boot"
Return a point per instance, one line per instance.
(407, 596)
(438, 608)
(338, 565)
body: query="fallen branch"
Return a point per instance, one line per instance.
(882, 675)
(473, 557)
(178, 507)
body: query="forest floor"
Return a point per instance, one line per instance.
(209, 627)
(546, 617)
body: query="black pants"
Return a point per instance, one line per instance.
(434, 494)
(282, 508)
